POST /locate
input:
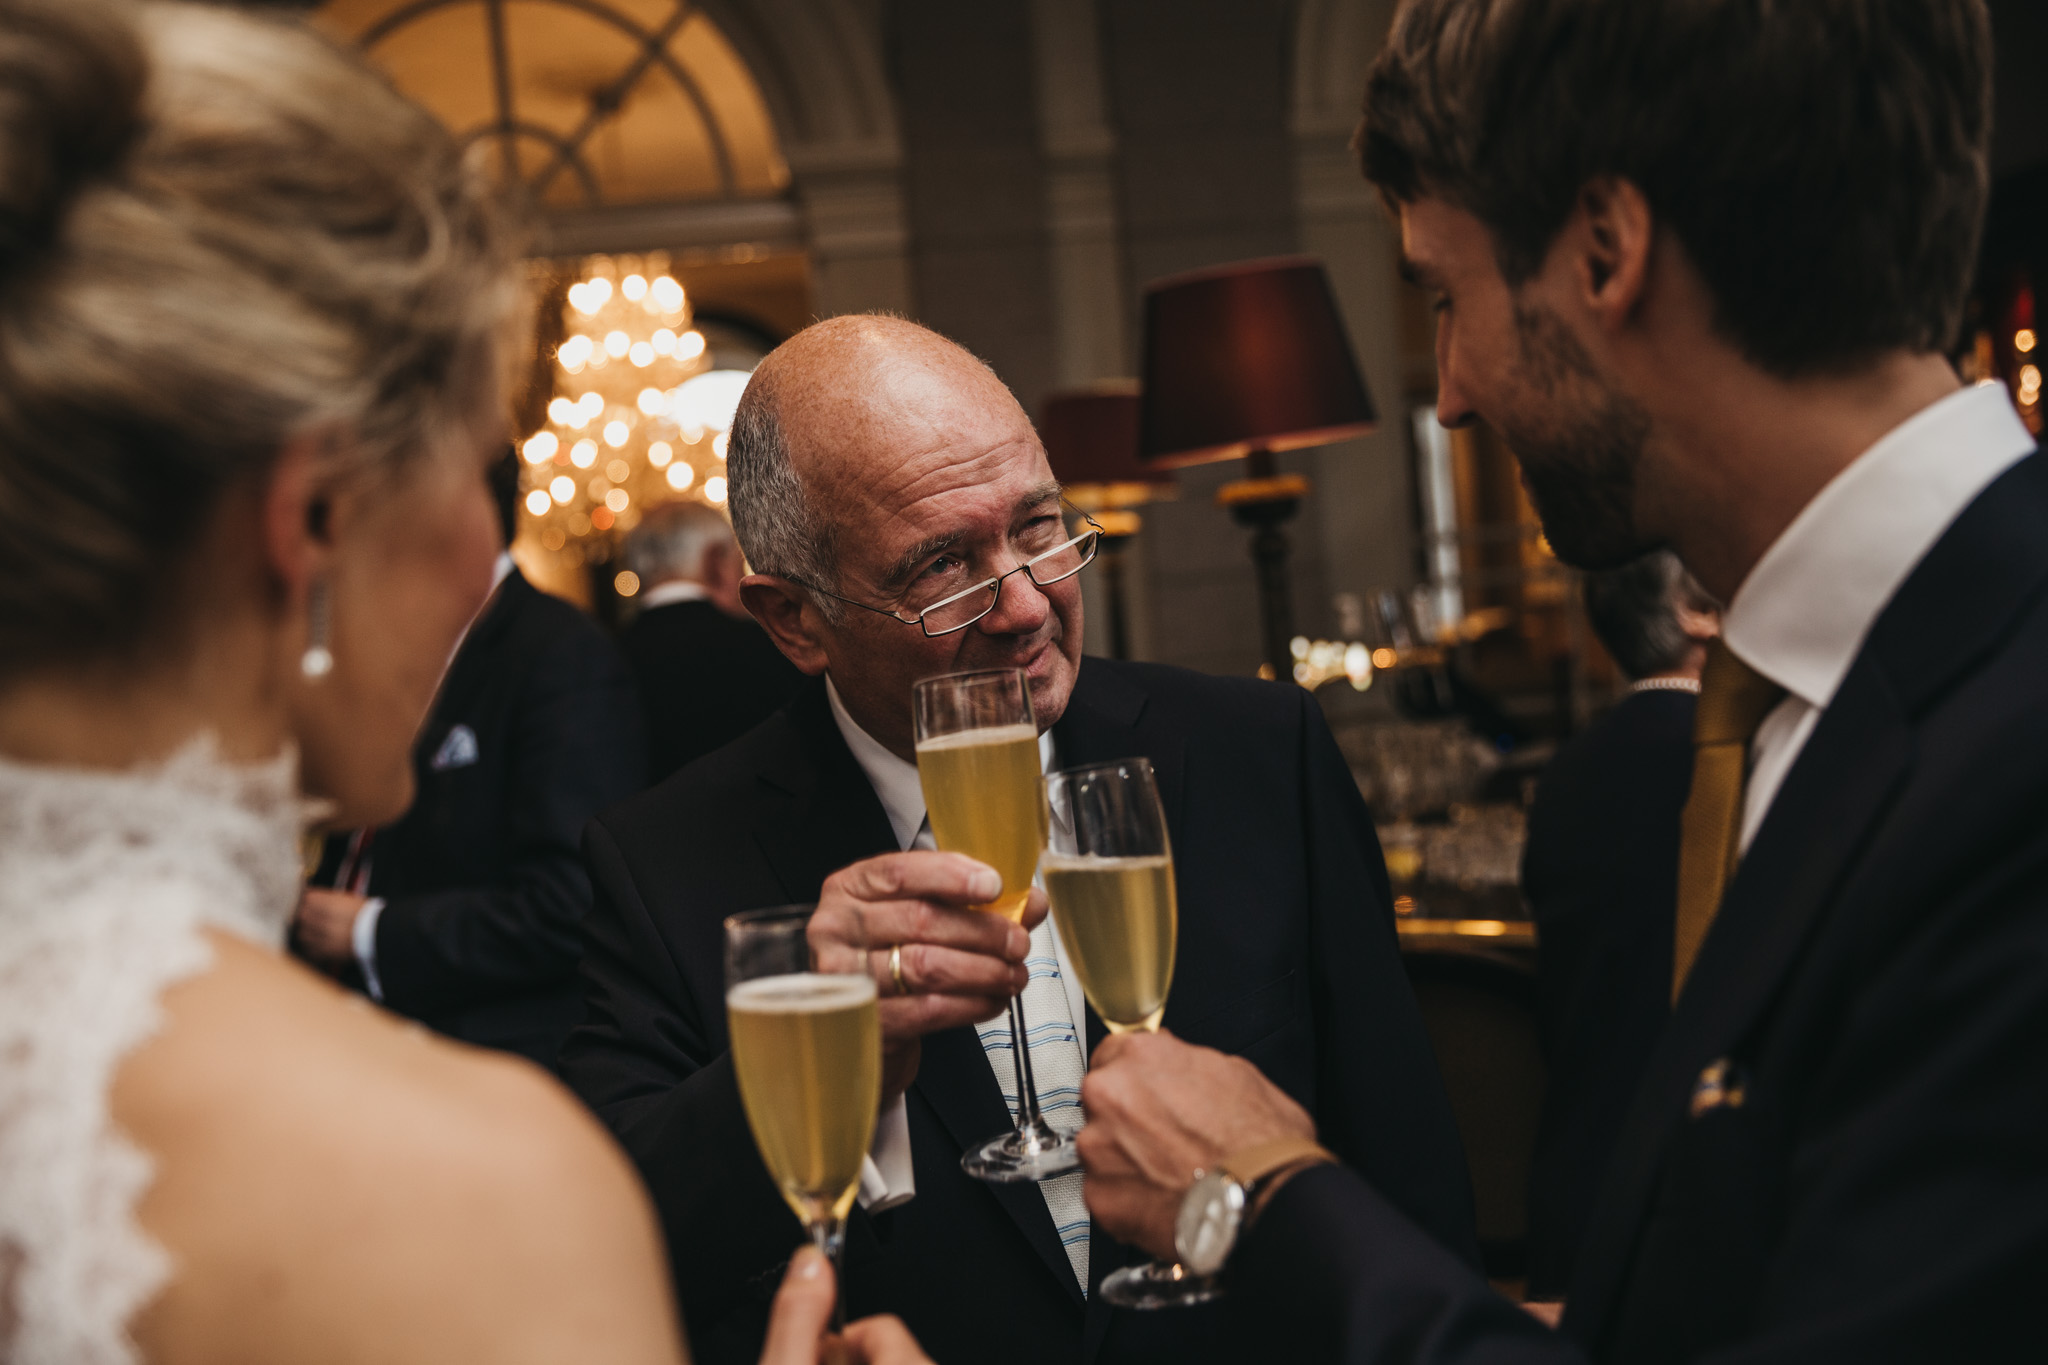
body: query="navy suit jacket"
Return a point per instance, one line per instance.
(1287, 956)
(1869, 1180)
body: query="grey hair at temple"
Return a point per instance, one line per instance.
(1634, 610)
(671, 541)
(777, 527)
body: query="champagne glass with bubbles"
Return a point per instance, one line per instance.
(977, 759)
(807, 1051)
(1109, 874)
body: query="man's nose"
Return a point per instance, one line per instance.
(1020, 607)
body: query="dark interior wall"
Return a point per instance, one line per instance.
(1198, 92)
(974, 182)
(2020, 135)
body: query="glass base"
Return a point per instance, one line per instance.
(1035, 1153)
(1157, 1284)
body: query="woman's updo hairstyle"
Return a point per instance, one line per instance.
(217, 232)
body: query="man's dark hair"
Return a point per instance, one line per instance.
(1634, 611)
(1824, 162)
(503, 477)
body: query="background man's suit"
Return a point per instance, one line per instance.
(1837, 1150)
(706, 678)
(1601, 874)
(1287, 956)
(535, 729)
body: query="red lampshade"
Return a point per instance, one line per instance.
(1247, 357)
(1091, 437)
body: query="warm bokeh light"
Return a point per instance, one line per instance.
(634, 287)
(689, 345)
(2023, 340)
(2030, 385)
(679, 476)
(590, 404)
(618, 499)
(663, 341)
(563, 488)
(618, 471)
(627, 583)
(575, 352)
(615, 434)
(617, 343)
(668, 295)
(538, 502)
(564, 413)
(707, 401)
(714, 490)
(660, 453)
(642, 354)
(721, 443)
(541, 447)
(651, 401)
(583, 454)
(1383, 657)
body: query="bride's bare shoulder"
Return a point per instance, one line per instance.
(335, 1184)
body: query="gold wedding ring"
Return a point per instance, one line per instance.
(896, 969)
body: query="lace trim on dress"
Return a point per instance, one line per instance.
(106, 881)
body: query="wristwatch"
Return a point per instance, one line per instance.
(1220, 1204)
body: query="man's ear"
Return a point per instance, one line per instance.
(1611, 232)
(786, 612)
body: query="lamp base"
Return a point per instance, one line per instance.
(1265, 500)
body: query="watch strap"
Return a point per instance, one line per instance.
(1253, 1164)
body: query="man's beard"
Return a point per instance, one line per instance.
(1578, 462)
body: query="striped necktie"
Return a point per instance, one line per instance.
(1058, 1059)
(1734, 699)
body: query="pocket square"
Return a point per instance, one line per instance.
(458, 750)
(1723, 1084)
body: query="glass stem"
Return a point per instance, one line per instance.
(1029, 1120)
(828, 1235)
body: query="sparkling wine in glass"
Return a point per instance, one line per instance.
(977, 759)
(1109, 873)
(807, 1052)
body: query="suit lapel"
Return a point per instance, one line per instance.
(1943, 621)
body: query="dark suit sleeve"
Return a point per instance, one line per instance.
(643, 1060)
(576, 747)
(1380, 1103)
(1338, 1274)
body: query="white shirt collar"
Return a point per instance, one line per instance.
(501, 569)
(1801, 615)
(894, 780)
(674, 590)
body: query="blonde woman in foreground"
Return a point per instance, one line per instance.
(253, 314)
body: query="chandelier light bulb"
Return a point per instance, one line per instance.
(660, 453)
(538, 502)
(617, 499)
(651, 402)
(617, 343)
(714, 490)
(598, 291)
(541, 446)
(668, 295)
(563, 488)
(618, 471)
(679, 476)
(690, 345)
(564, 413)
(721, 443)
(615, 433)
(663, 341)
(583, 454)
(634, 287)
(642, 354)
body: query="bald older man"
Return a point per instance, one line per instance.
(877, 468)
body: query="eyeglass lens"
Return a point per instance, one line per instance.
(966, 608)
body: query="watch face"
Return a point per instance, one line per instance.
(1206, 1230)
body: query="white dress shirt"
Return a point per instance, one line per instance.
(886, 1179)
(1801, 615)
(674, 590)
(362, 935)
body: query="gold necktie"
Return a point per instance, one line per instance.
(1734, 699)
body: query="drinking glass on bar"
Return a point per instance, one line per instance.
(807, 1051)
(977, 759)
(1109, 874)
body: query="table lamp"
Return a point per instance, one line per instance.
(1091, 441)
(1243, 361)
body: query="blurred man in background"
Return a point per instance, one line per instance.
(1601, 874)
(707, 674)
(466, 913)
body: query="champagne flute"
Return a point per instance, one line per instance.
(977, 759)
(1109, 873)
(807, 1052)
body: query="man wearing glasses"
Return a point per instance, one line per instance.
(903, 522)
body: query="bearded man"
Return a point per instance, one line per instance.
(1700, 263)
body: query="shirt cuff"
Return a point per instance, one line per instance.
(363, 938)
(886, 1177)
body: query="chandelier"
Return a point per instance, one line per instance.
(639, 414)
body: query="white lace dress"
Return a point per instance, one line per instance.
(106, 880)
